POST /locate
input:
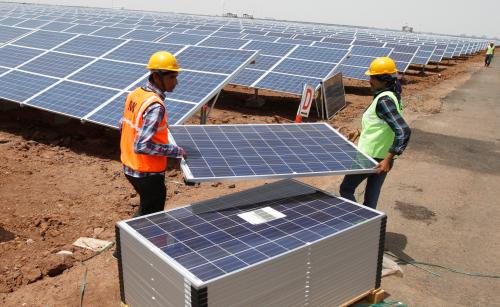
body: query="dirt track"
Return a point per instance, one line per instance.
(60, 182)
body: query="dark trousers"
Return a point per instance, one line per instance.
(152, 193)
(374, 184)
(487, 59)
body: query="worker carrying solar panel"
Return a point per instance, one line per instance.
(144, 134)
(384, 132)
(490, 51)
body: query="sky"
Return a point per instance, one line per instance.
(455, 17)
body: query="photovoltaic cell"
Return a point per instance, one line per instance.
(56, 26)
(247, 77)
(140, 52)
(12, 56)
(215, 60)
(370, 51)
(111, 113)
(90, 45)
(318, 54)
(111, 32)
(354, 60)
(223, 42)
(332, 45)
(305, 68)
(9, 33)
(43, 39)
(352, 72)
(32, 23)
(264, 62)
(110, 74)
(56, 64)
(251, 151)
(19, 86)
(72, 99)
(259, 37)
(143, 35)
(182, 39)
(178, 111)
(82, 29)
(194, 86)
(286, 83)
(268, 48)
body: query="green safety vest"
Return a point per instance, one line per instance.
(490, 50)
(376, 135)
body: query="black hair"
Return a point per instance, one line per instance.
(392, 84)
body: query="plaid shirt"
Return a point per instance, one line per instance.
(386, 110)
(143, 143)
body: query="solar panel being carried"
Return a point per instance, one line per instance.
(218, 152)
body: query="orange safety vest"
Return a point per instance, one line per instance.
(135, 105)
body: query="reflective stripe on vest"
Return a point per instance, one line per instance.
(135, 105)
(376, 135)
(490, 50)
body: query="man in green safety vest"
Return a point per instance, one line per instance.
(490, 51)
(384, 132)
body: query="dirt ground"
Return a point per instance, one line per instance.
(61, 180)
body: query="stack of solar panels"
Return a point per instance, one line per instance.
(281, 244)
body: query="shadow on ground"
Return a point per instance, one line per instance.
(456, 151)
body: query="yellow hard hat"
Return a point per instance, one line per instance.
(163, 60)
(382, 66)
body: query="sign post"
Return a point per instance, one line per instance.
(305, 103)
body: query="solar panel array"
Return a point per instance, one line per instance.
(103, 52)
(214, 241)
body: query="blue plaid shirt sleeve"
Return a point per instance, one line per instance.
(386, 110)
(144, 144)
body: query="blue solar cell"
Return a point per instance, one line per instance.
(360, 61)
(403, 48)
(56, 64)
(368, 43)
(19, 86)
(179, 111)
(82, 29)
(215, 60)
(337, 40)
(305, 68)
(294, 41)
(44, 39)
(32, 23)
(90, 45)
(264, 62)
(247, 77)
(144, 35)
(223, 42)
(352, 72)
(111, 32)
(259, 37)
(266, 151)
(9, 33)
(140, 52)
(208, 256)
(10, 21)
(12, 56)
(111, 74)
(228, 34)
(57, 26)
(268, 48)
(370, 51)
(332, 45)
(286, 83)
(72, 99)
(318, 54)
(182, 39)
(111, 113)
(309, 37)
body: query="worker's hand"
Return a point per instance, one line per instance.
(384, 166)
(181, 153)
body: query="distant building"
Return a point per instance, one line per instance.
(231, 15)
(248, 16)
(407, 29)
